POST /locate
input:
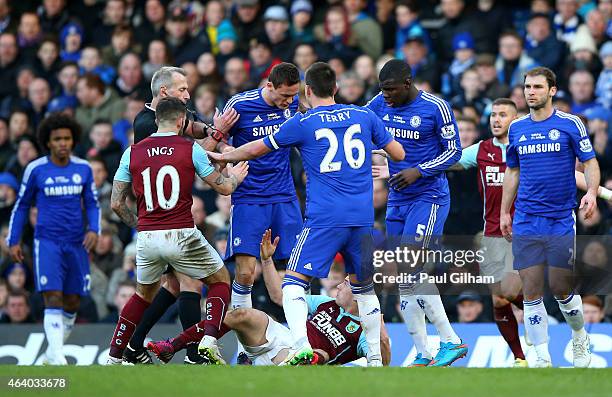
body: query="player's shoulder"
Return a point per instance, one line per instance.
(525, 119)
(34, 165)
(243, 100)
(436, 105)
(376, 102)
(571, 122)
(79, 163)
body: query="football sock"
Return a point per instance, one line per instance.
(414, 318)
(162, 301)
(508, 328)
(68, 320)
(217, 302)
(296, 309)
(434, 309)
(370, 317)
(571, 307)
(54, 330)
(189, 314)
(241, 295)
(128, 319)
(536, 321)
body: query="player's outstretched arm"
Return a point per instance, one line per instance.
(119, 205)
(602, 192)
(245, 152)
(592, 176)
(227, 185)
(270, 275)
(511, 181)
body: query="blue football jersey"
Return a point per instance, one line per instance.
(336, 145)
(269, 179)
(60, 194)
(546, 153)
(427, 130)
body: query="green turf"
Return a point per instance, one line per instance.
(183, 381)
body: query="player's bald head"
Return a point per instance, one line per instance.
(395, 70)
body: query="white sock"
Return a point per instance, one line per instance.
(370, 318)
(414, 318)
(68, 320)
(54, 330)
(296, 310)
(536, 322)
(571, 307)
(434, 309)
(241, 295)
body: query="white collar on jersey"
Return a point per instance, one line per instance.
(497, 143)
(169, 133)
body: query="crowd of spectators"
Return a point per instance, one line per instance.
(94, 60)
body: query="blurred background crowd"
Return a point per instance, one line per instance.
(94, 60)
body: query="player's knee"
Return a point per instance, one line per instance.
(147, 291)
(221, 276)
(499, 301)
(170, 283)
(237, 317)
(72, 303)
(191, 285)
(53, 299)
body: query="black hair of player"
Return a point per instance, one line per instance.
(551, 77)
(168, 109)
(55, 122)
(505, 101)
(321, 79)
(284, 74)
(396, 71)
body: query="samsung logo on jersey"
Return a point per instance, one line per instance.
(539, 148)
(267, 130)
(401, 133)
(63, 190)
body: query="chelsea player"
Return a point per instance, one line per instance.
(335, 142)
(541, 158)
(61, 185)
(266, 198)
(419, 198)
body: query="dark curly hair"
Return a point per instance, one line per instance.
(54, 122)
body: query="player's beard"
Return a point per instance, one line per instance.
(540, 104)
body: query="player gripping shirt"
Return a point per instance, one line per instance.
(266, 198)
(335, 142)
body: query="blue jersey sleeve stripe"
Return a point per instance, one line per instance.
(240, 98)
(442, 106)
(273, 141)
(447, 155)
(576, 120)
(372, 100)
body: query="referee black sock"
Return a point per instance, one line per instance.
(190, 314)
(162, 301)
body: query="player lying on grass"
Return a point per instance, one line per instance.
(334, 330)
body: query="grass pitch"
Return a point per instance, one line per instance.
(180, 381)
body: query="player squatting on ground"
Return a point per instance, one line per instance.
(335, 142)
(334, 330)
(161, 169)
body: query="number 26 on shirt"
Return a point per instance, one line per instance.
(348, 143)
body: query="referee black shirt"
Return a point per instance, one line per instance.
(144, 123)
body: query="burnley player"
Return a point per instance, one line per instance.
(335, 142)
(161, 170)
(419, 198)
(334, 330)
(266, 198)
(171, 81)
(60, 186)
(541, 156)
